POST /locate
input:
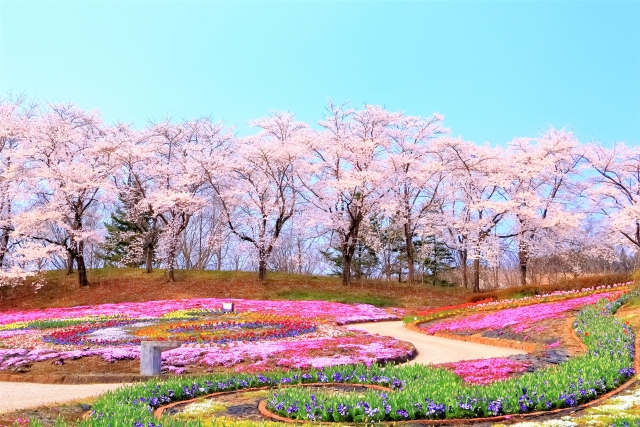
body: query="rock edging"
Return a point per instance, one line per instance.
(262, 408)
(158, 412)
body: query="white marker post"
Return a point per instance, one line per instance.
(151, 355)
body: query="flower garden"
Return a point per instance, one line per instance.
(259, 335)
(506, 387)
(500, 387)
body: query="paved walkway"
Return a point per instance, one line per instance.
(15, 396)
(430, 350)
(435, 349)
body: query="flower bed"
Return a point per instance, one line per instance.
(420, 391)
(311, 310)
(269, 334)
(484, 305)
(441, 394)
(519, 318)
(453, 307)
(486, 371)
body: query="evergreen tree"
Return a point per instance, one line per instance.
(124, 244)
(364, 262)
(437, 258)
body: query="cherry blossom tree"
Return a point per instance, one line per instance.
(258, 182)
(16, 116)
(67, 163)
(416, 175)
(134, 180)
(543, 188)
(616, 189)
(168, 182)
(476, 201)
(347, 173)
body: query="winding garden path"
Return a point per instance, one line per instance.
(16, 395)
(436, 349)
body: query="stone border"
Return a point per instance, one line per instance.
(158, 412)
(262, 408)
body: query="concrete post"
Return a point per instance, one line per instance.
(151, 355)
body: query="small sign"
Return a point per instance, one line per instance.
(227, 307)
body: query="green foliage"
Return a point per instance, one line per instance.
(625, 421)
(59, 323)
(363, 263)
(120, 237)
(123, 243)
(438, 259)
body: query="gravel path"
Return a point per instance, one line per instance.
(431, 349)
(435, 349)
(15, 396)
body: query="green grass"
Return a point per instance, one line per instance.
(633, 302)
(378, 301)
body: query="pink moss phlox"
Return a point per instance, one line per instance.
(486, 371)
(553, 345)
(519, 318)
(331, 311)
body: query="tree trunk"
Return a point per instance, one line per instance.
(408, 236)
(523, 256)
(262, 270)
(476, 275)
(149, 259)
(170, 275)
(219, 259)
(82, 271)
(463, 261)
(70, 259)
(299, 256)
(346, 267)
(4, 246)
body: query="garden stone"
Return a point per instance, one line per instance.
(150, 355)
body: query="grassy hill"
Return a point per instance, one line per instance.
(112, 285)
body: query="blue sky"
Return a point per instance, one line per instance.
(494, 69)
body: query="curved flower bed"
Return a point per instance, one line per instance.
(438, 394)
(519, 318)
(489, 305)
(267, 335)
(311, 310)
(212, 331)
(420, 392)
